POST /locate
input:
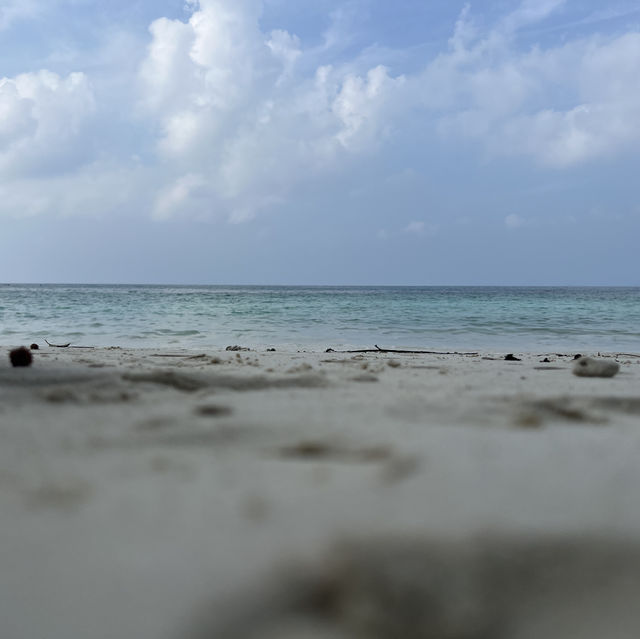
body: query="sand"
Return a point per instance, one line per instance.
(170, 494)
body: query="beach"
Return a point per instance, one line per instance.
(319, 320)
(176, 493)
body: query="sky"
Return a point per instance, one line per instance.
(414, 142)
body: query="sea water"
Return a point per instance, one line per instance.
(513, 319)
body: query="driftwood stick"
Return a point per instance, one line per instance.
(168, 355)
(184, 355)
(68, 345)
(377, 349)
(57, 345)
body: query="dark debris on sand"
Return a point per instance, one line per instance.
(20, 357)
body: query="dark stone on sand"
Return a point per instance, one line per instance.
(213, 410)
(34, 347)
(20, 357)
(271, 350)
(511, 358)
(546, 360)
(578, 356)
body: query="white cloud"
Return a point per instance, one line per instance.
(561, 106)
(530, 12)
(231, 109)
(416, 227)
(360, 104)
(172, 199)
(342, 24)
(285, 48)
(16, 119)
(94, 190)
(14, 10)
(514, 221)
(44, 118)
(233, 119)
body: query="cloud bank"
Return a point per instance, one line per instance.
(235, 118)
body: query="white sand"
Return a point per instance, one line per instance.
(144, 495)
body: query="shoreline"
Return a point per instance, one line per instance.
(312, 348)
(137, 485)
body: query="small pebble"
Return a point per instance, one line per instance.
(34, 347)
(590, 367)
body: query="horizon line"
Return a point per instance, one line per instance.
(334, 285)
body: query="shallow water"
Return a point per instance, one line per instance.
(483, 318)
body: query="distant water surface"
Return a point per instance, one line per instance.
(479, 318)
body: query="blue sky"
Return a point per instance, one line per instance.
(320, 142)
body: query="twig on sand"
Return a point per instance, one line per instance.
(377, 349)
(57, 345)
(67, 345)
(184, 355)
(627, 355)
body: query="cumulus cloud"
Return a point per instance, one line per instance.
(561, 106)
(43, 119)
(235, 118)
(49, 158)
(285, 48)
(231, 110)
(16, 119)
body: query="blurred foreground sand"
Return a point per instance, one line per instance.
(158, 494)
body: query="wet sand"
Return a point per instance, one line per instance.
(165, 494)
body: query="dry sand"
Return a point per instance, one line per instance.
(158, 494)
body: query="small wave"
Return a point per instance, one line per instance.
(171, 332)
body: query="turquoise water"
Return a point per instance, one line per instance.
(314, 318)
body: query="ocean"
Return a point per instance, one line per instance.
(512, 319)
